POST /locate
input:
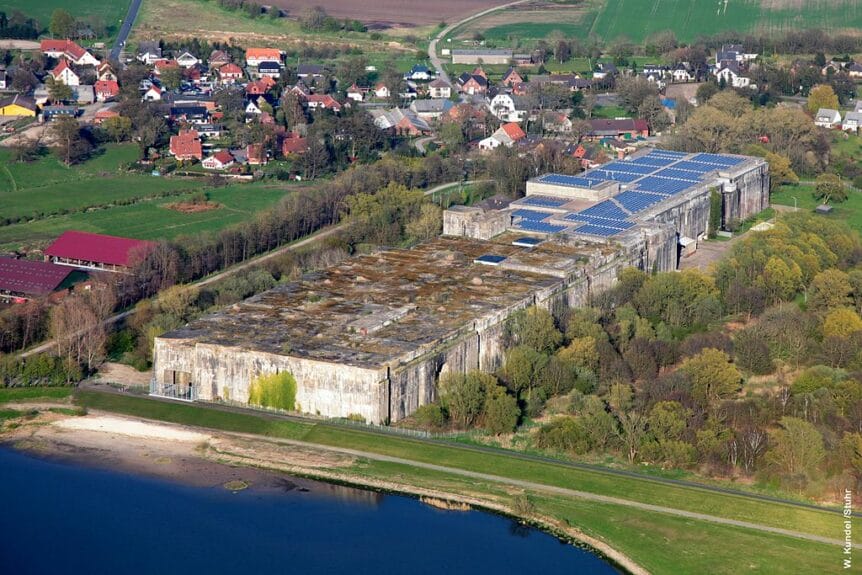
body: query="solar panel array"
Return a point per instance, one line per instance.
(540, 227)
(637, 201)
(544, 201)
(533, 215)
(489, 259)
(650, 179)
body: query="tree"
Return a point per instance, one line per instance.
(26, 149)
(501, 413)
(631, 432)
(427, 224)
(62, 24)
(829, 289)
(71, 146)
(781, 280)
(171, 77)
(522, 369)
(780, 171)
(841, 322)
(713, 378)
(634, 91)
(751, 352)
(652, 110)
(57, 90)
(829, 187)
(463, 395)
(822, 96)
(797, 450)
(534, 327)
(118, 128)
(452, 135)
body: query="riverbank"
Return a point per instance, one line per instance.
(204, 458)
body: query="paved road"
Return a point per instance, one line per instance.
(125, 29)
(432, 46)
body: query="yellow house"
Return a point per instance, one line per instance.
(17, 105)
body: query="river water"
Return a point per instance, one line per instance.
(60, 518)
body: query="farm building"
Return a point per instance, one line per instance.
(18, 105)
(25, 279)
(99, 252)
(481, 56)
(370, 337)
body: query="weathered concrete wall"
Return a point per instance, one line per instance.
(750, 196)
(476, 223)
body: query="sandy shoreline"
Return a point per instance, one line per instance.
(208, 459)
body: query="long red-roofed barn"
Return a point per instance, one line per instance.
(90, 251)
(26, 279)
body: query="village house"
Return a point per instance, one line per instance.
(400, 122)
(683, 73)
(254, 56)
(605, 70)
(506, 135)
(732, 76)
(52, 113)
(18, 105)
(381, 91)
(322, 102)
(627, 128)
(187, 60)
(68, 50)
(509, 108)
(472, 84)
(229, 73)
(356, 93)
(269, 70)
(64, 73)
(309, 71)
(149, 52)
(218, 58)
(161, 65)
(419, 73)
(105, 114)
(511, 77)
(256, 155)
(440, 88)
(153, 94)
(105, 72)
(221, 160)
(827, 118)
(431, 109)
(292, 143)
(854, 70)
(852, 122)
(106, 90)
(556, 122)
(90, 251)
(186, 146)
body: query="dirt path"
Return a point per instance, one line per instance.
(19, 45)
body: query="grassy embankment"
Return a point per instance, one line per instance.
(659, 542)
(109, 12)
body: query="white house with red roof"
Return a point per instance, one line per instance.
(506, 135)
(323, 102)
(106, 90)
(219, 161)
(254, 56)
(229, 73)
(153, 94)
(68, 50)
(63, 72)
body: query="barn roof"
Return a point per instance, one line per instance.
(97, 248)
(29, 277)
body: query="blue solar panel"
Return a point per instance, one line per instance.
(607, 210)
(541, 227)
(622, 177)
(531, 215)
(564, 180)
(637, 201)
(678, 174)
(594, 230)
(668, 153)
(694, 167)
(717, 159)
(543, 201)
(656, 161)
(527, 242)
(629, 167)
(662, 185)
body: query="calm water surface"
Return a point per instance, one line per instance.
(58, 518)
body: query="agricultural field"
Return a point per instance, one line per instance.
(150, 219)
(109, 12)
(393, 13)
(638, 19)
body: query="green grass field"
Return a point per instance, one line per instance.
(149, 219)
(27, 393)
(849, 211)
(661, 543)
(109, 11)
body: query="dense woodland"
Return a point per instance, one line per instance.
(752, 371)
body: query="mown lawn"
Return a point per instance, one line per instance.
(645, 490)
(849, 211)
(149, 219)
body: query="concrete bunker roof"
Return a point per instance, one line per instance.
(390, 307)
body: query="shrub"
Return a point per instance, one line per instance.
(430, 416)
(276, 390)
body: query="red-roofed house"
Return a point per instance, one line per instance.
(323, 102)
(186, 146)
(259, 87)
(25, 279)
(506, 135)
(256, 155)
(254, 56)
(229, 73)
(293, 143)
(106, 90)
(96, 251)
(64, 73)
(103, 115)
(627, 128)
(153, 94)
(69, 50)
(105, 72)
(219, 161)
(161, 65)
